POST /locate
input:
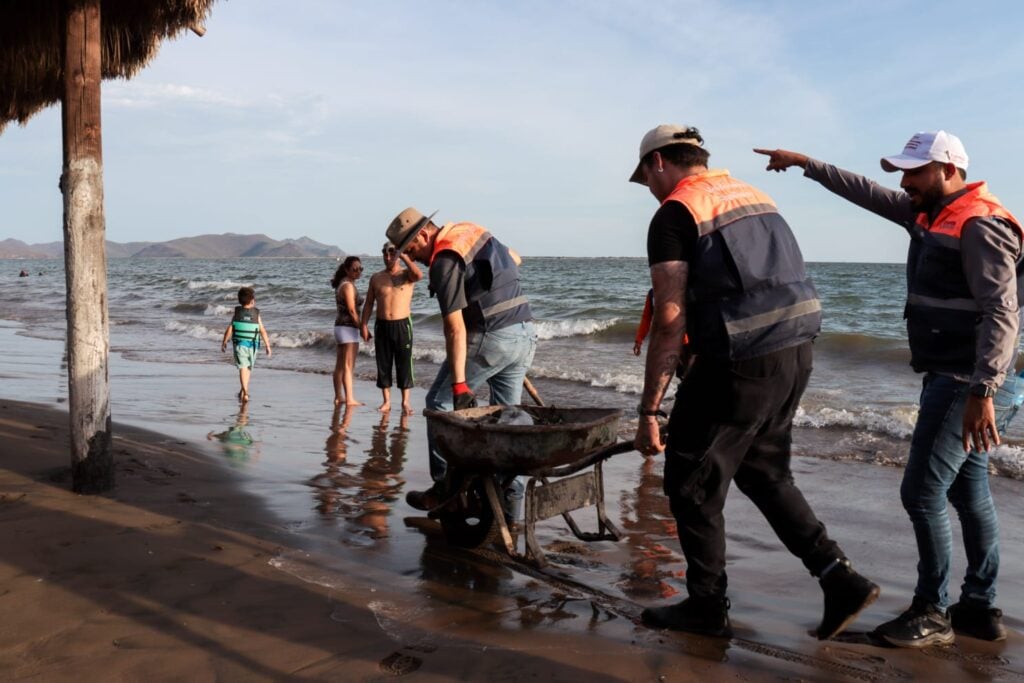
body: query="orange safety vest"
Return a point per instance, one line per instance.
(942, 313)
(491, 278)
(764, 304)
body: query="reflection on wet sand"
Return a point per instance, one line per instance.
(362, 497)
(653, 568)
(336, 447)
(236, 441)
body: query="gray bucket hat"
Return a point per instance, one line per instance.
(406, 226)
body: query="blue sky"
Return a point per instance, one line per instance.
(325, 118)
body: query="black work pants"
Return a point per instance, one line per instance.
(733, 420)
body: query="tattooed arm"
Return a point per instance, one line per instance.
(668, 328)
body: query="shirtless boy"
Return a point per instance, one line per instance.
(391, 289)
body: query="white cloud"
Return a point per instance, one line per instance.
(143, 95)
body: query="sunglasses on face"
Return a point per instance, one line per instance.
(389, 252)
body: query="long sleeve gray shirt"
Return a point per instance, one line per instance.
(989, 251)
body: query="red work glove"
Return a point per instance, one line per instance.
(462, 396)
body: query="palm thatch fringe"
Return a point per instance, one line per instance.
(32, 39)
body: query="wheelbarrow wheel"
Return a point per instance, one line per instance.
(468, 520)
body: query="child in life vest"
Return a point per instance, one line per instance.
(245, 331)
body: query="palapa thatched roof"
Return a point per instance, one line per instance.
(31, 40)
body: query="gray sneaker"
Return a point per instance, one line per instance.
(922, 625)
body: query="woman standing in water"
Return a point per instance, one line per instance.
(346, 328)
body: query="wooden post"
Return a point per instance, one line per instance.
(85, 257)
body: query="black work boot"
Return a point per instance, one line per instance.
(977, 621)
(847, 593)
(428, 499)
(922, 625)
(707, 616)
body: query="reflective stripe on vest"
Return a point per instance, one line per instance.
(768, 303)
(773, 317)
(942, 314)
(504, 306)
(491, 278)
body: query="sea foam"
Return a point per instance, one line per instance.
(215, 284)
(218, 310)
(554, 329)
(899, 423)
(193, 330)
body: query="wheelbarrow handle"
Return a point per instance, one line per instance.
(587, 461)
(616, 448)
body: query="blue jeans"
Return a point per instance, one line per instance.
(500, 358)
(939, 469)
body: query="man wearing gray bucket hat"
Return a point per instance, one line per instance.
(727, 271)
(488, 328)
(965, 278)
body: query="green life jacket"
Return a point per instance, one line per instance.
(245, 327)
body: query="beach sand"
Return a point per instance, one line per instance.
(273, 546)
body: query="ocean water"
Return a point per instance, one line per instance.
(861, 402)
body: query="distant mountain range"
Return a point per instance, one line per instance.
(228, 245)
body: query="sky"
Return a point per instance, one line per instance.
(325, 118)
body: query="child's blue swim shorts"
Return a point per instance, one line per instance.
(245, 356)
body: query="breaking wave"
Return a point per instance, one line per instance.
(203, 285)
(554, 329)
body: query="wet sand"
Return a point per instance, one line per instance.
(273, 546)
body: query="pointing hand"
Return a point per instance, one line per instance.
(781, 159)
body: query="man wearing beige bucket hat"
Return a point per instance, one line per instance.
(488, 328)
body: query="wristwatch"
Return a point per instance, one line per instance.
(982, 390)
(649, 413)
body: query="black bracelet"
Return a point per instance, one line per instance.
(650, 413)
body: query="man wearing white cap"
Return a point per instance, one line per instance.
(727, 271)
(964, 277)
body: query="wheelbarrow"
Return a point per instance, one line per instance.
(484, 453)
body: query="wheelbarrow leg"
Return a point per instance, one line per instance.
(605, 528)
(499, 515)
(533, 550)
(592, 494)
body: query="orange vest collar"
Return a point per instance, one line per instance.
(977, 201)
(696, 177)
(458, 237)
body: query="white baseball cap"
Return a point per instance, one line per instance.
(926, 147)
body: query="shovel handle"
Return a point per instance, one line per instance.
(532, 391)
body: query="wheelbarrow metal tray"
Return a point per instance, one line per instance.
(474, 441)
